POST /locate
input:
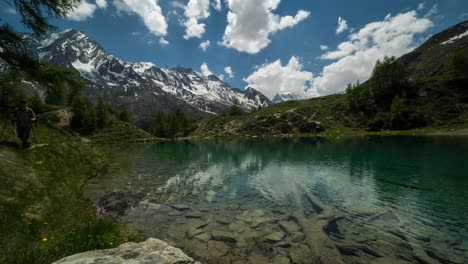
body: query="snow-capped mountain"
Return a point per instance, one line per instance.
(283, 97)
(142, 86)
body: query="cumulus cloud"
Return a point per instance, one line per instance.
(205, 70)
(82, 11)
(323, 47)
(273, 78)
(250, 24)
(228, 71)
(342, 26)
(101, 3)
(177, 4)
(355, 58)
(194, 11)
(421, 6)
(148, 10)
(204, 45)
(217, 5)
(163, 42)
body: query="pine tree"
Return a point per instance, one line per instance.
(125, 116)
(102, 116)
(36, 103)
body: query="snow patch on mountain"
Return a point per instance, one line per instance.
(453, 39)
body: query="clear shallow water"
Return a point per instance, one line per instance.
(396, 199)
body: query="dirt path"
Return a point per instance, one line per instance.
(461, 132)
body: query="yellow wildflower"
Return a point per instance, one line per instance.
(44, 239)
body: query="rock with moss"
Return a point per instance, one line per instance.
(151, 251)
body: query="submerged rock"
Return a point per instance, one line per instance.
(223, 236)
(151, 251)
(290, 226)
(217, 249)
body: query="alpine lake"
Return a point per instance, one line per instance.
(395, 199)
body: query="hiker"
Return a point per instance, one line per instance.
(24, 118)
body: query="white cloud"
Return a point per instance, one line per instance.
(101, 3)
(250, 24)
(10, 10)
(221, 77)
(463, 15)
(228, 71)
(204, 45)
(323, 47)
(82, 11)
(394, 36)
(148, 10)
(163, 42)
(273, 78)
(432, 12)
(421, 6)
(217, 5)
(204, 69)
(194, 11)
(342, 26)
(177, 4)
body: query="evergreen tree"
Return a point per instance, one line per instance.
(388, 79)
(102, 116)
(84, 116)
(159, 125)
(125, 116)
(36, 103)
(456, 66)
(235, 109)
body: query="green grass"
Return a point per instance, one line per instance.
(443, 108)
(41, 217)
(118, 131)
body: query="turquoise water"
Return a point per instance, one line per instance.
(395, 199)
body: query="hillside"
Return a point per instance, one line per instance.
(41, 217)
(430, 99)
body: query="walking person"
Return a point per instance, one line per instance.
(24, 118)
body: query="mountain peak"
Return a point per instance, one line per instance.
(142, 87)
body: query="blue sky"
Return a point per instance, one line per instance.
(271, 45)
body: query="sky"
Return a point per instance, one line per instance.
(308, 47)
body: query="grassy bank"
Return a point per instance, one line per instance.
(41, 217)
(335, 119)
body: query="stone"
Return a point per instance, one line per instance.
(193, 232)
(151, 251)
(261, 221)
(195, 223)
(289, 226)
(281, 260)
(223, 236)
(300, 254)
(237, 227)
(180, 207)
(222, 221)
(203, 237)
(217, 249)
(258, 259)
(175, 213)
(274, 237)
(195, 214)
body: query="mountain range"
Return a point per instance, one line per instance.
(142, 87)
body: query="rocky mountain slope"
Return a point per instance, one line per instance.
(428, 59)
(143, 87)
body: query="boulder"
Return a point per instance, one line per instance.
(290, 226)
(151, 251)
(223, 236)
(217, 249)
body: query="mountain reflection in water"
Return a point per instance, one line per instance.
(393, 198)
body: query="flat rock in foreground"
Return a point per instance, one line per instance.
(151, 251)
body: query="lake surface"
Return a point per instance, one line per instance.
(357, 200)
